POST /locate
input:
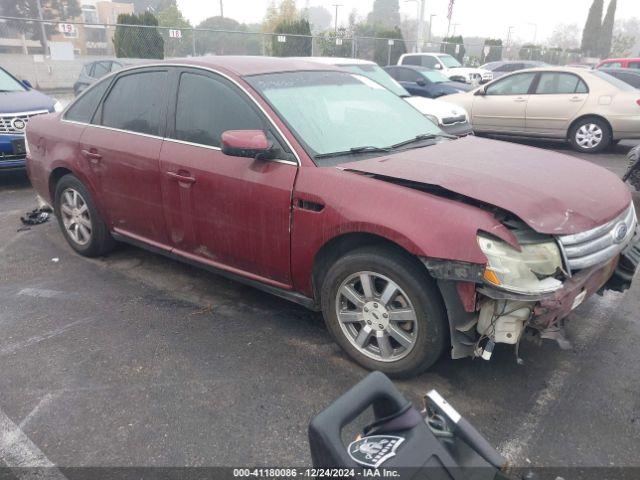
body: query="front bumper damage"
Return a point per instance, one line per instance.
(481, 315)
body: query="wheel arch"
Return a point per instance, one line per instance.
(55, 176)
(589, 115)
(339, 245)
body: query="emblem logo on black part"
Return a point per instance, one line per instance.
(373, 451)
(18, 124)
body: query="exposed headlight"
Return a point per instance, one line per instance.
(433, 118)
(529, 271)
(57, 107)
(26, 146)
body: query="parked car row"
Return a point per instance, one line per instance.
(317, 183)
(589, 108)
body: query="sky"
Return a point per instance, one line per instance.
(475, 17)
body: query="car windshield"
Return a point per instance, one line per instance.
(332, 113)
(9, 84)
(374, 72)
(433, 76)
(449, 61)
(616, 82)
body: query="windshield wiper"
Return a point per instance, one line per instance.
(423, 136)
(353, 151)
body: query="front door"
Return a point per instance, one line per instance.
(122, 149)
(229, 212)
(557, 99)
(504, 105)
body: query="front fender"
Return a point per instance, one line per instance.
(423, 224)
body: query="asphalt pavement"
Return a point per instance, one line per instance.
(137, 360)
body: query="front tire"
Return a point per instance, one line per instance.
(384, 311)
(590, 135)
(79, 219)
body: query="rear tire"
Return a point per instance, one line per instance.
(590, 135)
(395, 323)
(82, 225)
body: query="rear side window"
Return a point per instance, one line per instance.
(411, 60)
(85, 106)
(136, 103)
(406, 75)
(207, 107)
(429, 62)
(101, 69)
(556, 83)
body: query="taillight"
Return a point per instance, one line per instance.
(638, 102)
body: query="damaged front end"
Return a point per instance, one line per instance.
(533, 287)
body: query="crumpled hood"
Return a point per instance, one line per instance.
(27, 101)
(553, 193)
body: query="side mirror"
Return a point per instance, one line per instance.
(422, 83)
(246, 143)
(481, 91)
(437, 66)
(27, 84)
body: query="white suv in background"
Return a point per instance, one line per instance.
(448, 65)
(449, 117)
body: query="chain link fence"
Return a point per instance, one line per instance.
(52, 54)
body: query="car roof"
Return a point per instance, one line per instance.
(632, 71)
(420, 68)
(622, 59)
(246, 65)
(336, 60)
(551, 68)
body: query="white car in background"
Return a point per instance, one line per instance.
(448, 65)
(451, 118)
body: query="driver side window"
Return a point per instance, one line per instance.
(206, 107)
(513, 85)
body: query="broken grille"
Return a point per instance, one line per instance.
(7, 120)
(586, 249)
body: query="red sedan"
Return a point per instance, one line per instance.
(321, 186)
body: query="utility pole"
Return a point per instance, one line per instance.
(431, 23)
(45, 42)
(420, 25)
(221, 9)
(509, 40)
(455, 26)
(337, 5)
(535, 31)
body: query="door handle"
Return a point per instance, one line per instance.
(520, 99)
(575, 99)
(91, 155)
(186, 178)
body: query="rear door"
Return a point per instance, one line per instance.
(225, 211)
(556, 100)
(503, 107)
(122, 149)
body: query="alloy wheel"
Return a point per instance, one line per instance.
(75, 216)
(376, 316)
(589, 136)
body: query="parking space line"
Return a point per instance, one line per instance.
(23, 456)
(515, 449)
(44, 401)
(39, 338)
